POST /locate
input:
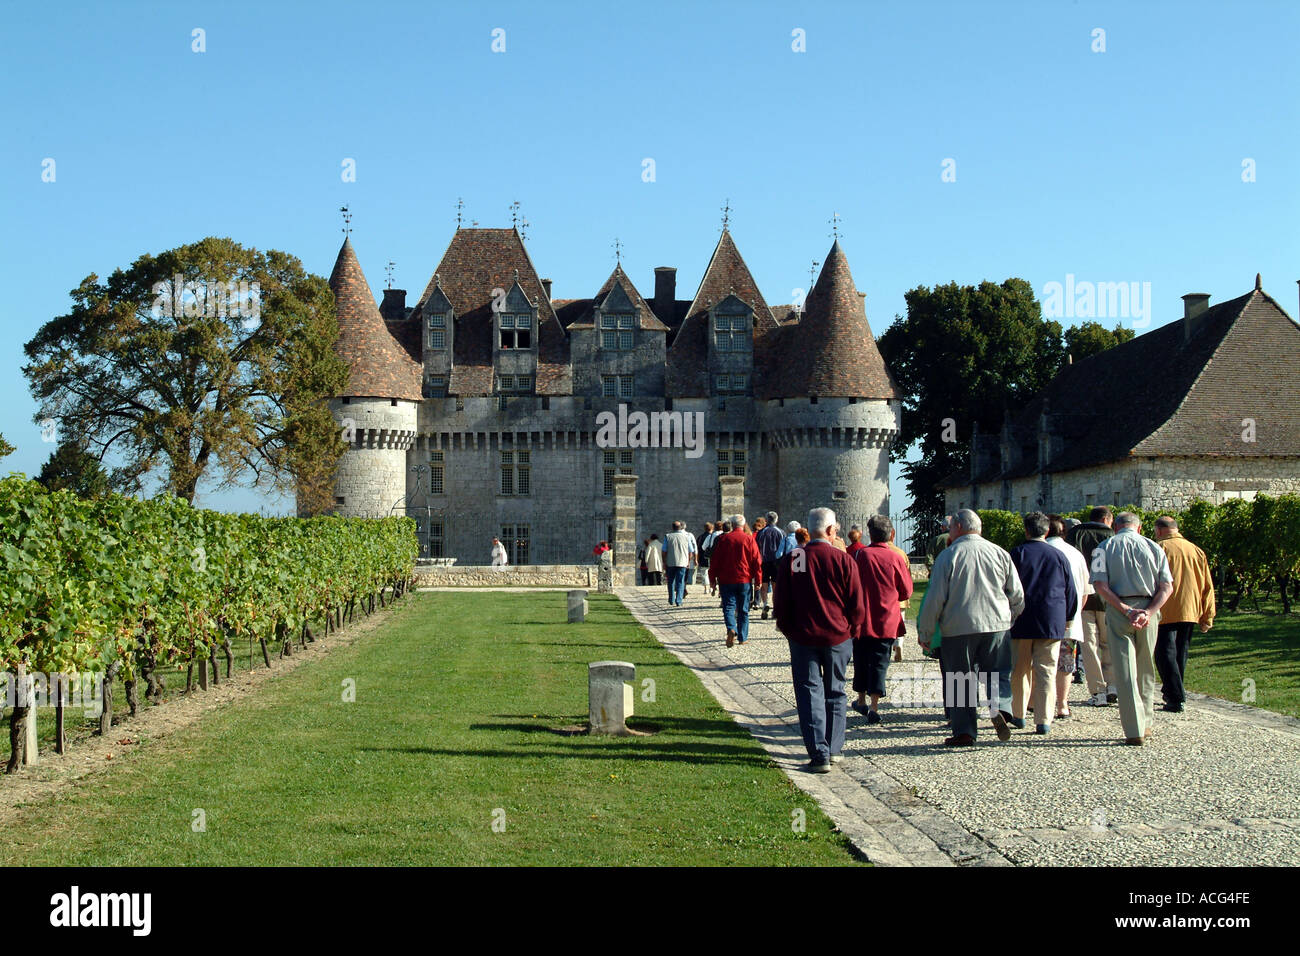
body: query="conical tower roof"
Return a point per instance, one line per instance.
(379, 366)
(830, 352)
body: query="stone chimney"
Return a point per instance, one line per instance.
(546, 287)
(665, 293)
(393, 308)
(1194, 303)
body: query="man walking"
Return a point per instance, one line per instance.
(819, 608)
(703, 548)
(973, 597)
(498, 557)
(677, 558)
(771, 547)
(734, 563)
(1051, 599)
(1095, 650)
(886, 586)
(1190, 604)
(1131, 574)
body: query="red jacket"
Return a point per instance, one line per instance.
(818, 596)
(735, 559)
(886, 580)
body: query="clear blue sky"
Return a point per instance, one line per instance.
(1123, 165)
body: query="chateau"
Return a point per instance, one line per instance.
(1208, 408)
(491, 409)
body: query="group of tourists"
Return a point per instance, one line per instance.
(1008, 626)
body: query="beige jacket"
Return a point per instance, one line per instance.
(1193, 597)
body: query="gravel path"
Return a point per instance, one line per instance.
(1218, 785)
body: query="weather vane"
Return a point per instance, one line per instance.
(835, 225)
(347, 220)
(460, 205)
(812, 273)
(514, 214)
(618, 251)
(523, 227)
(388, 269)
(726, 214)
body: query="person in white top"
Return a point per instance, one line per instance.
(499, 559)
(1074, 626)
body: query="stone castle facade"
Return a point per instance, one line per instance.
(484, 409)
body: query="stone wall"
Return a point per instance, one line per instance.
(1152, 483)
(371, 475)
(525, 576)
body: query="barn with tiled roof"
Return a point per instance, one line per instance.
(1203, 407)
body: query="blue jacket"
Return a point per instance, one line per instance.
(1051, 598)
(771, 543)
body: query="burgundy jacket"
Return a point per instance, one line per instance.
(818, 596)
(886, 580)
(735, 559)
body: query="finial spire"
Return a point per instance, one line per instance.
(835, 226)
(812, 273)
(1258, 282)
(347, 220)
(726, 214)
(460, 205)
(388, 271)
(514, 214)
(523, 227)
(618, 251)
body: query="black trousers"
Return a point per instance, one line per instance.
(1172, 642)
(871, 658)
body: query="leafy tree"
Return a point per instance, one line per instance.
(963, 356)
(5, 447)
(1089, 338)
(70, 466)
(206, 359)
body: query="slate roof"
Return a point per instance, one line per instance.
(1158, 395)
(476, 262)
(379, 367)
(688, 356)
(830, 351)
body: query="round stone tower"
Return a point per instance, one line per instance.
(378, 410)
(832, 411)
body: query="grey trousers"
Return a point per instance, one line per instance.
(971, 661)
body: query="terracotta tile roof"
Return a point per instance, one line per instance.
(586, 319)
(688, 356)
(476, 262)
(1176, 397)
(830, 351)
(379, 366)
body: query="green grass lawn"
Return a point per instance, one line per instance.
(1261, 646)
(457, 700)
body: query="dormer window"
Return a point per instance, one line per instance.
(731, 333)
(733, 383)
(617, 332)
(438, 330)
(516, 330)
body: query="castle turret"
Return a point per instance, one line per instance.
(832, 409)
(378, 409)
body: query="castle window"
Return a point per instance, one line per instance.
(618, 462)
(617, 332)
(524, 383)
(625, 386)
(732, 384)
(435, 538)
(731, 461)
(730, 332)
(393, 402)
(437, 338)
(505, 383)
(435, 386)
(507, 473)
(617, 386)
(523, 473)
(435, 472)
(516, 330)
(514, 383)
(338, 499)
(515, 538)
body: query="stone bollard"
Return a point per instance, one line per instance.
(610, 697)
(577, 607)
(605, 575)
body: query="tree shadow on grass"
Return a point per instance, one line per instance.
(683, 726)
